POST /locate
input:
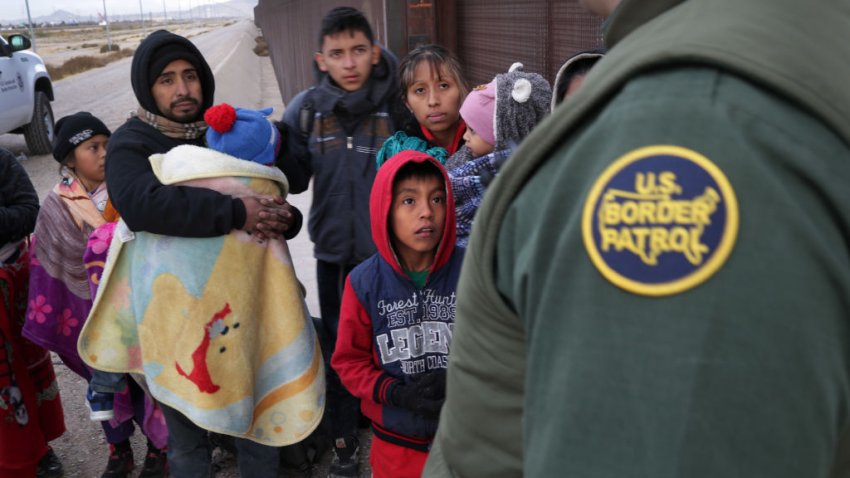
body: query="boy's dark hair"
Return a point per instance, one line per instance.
(344, 19)
(423, 170)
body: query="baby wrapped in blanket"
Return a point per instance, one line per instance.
(217, 325)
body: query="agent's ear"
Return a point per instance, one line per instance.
(320, 60)
(376, 54)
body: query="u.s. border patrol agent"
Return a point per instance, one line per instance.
(658, 283)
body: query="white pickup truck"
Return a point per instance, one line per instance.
(25, 95)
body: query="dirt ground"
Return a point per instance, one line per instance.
(83, 449)
(84, 452)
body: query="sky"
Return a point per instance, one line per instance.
(17, 9)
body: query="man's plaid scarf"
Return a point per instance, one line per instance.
(171, 128)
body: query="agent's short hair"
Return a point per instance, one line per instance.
(580, 64)
(344, 19)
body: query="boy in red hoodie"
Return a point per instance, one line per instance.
(398, 311)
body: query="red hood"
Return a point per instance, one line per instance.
(381, 200)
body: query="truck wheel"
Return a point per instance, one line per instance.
(39, 133)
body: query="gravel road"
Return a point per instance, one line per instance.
(106, 93)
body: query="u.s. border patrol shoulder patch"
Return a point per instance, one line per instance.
(660, 220)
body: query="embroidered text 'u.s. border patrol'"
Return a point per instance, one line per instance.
(660, 220)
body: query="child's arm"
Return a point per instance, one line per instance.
(354, 357)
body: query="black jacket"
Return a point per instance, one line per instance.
(18, 200)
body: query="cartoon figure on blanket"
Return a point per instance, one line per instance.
(200, 374)
(168, 307)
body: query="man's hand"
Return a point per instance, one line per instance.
(252, 213)
(267, 217)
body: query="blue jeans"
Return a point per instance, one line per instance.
(190, 455)
(108, 382)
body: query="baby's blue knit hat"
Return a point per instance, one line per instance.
(242, 133)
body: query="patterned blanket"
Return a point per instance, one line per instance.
(218, 325)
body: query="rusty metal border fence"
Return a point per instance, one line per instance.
(541, 34)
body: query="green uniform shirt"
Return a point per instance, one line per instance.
(659, 285)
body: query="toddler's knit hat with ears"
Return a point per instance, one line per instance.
(242, 133)
(522, 102)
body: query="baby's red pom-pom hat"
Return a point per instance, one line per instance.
(243, 133)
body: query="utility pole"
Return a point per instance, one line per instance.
(108, 35)
(164, 13)
(142, 17)
(32, 30)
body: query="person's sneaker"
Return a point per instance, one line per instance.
(156, 463)
(49, 466)
(120, 462)
(345, 460)
(100, 405)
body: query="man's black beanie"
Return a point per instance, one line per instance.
(155, 53)
(168, 53)
(72, 130)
